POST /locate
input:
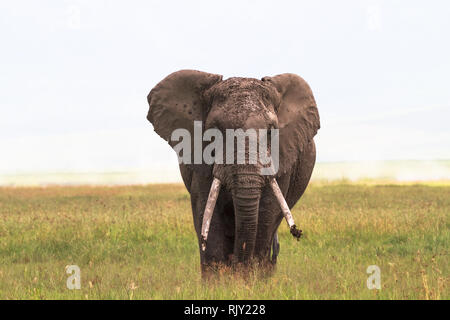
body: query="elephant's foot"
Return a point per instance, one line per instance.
(256, 267)
(214, 270)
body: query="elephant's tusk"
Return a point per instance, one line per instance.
(285, 209)
(209, 210)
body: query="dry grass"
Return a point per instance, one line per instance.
(138, 242)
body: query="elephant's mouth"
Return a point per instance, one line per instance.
(214, 193)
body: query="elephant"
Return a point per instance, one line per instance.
(236, 209)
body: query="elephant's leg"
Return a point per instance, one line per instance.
(293, 186)
(267, 240)
(214, 252)
(220, 239)
(270, 217)
(275, 248)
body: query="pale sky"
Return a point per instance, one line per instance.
(74, 75)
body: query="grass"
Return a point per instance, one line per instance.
(138, 242)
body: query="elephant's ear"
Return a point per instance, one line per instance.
(177, 101)
(298, 117)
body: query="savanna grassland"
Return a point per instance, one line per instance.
(138, 242)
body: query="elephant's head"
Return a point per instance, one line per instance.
(283, 102)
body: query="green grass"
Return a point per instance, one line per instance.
(138, 242)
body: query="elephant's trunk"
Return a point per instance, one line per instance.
(246, 193)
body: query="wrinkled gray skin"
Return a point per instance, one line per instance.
(247, 215)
